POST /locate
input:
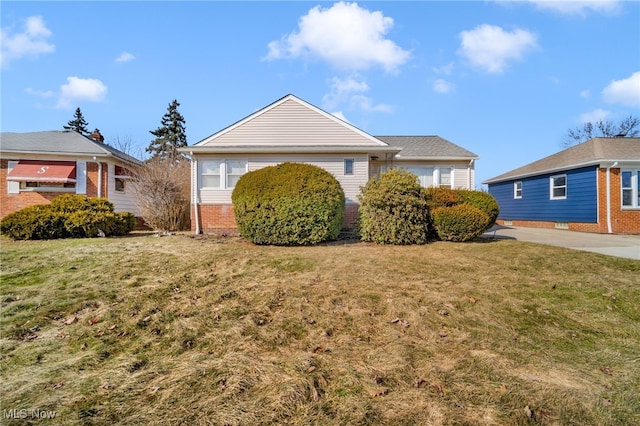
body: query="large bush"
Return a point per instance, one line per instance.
(161, 189)
(462, 222)
(446, 197)
(288, 204)
(393, 210)
(482, 200)
(67, 216)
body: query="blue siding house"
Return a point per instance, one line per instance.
(590, 187)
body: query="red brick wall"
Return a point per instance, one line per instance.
(622, 221)
(220, 220)
(10, 203)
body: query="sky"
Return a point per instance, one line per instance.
(503, 79)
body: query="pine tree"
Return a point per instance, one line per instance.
(78, 123)
(170, 136)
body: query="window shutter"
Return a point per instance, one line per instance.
(12, 187)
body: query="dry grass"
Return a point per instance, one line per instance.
(184, 330)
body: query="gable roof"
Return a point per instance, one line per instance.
(427, 148)
(596, 151)
(58, 142)
(290, 125)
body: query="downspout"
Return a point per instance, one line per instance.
(99, 180)
(609, 229)
(194, 170)
(469, 174)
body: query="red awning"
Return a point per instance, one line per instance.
(43, 171)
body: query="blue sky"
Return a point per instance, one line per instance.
(504, 79)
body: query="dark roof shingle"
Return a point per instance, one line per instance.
(431, 147)
(591, 152)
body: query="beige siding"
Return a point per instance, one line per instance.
(460, 171)
(291, 123)
(122, 201)
(332, 163)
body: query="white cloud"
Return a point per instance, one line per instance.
(443, 86)
(624, 92)
(340, 115)
(577, 7)
(490, 48)
(346, 36)
(81, 89)
(445, 69)
(44, 94)
(342, 90)
(349, 92)
(31, 42)
(594, 116)
(586, 93)
(125, 57)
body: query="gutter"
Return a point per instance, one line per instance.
(609, 228)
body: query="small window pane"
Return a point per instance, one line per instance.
(627, 197)
(211, 167)
(445, 178)
(558, 192)
(348, 167)
(211, 181)
(236, 167)
(626, 179)
(560, 181)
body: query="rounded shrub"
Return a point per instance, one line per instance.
(462, 222)
(482, 200)
(288, 204)
(393, 210)
(67, 216)
(441, 197)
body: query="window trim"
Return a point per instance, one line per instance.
(517, 190)
(45, 188)
(634, 188)
(223, 173)
(552, 186)
(352, 163)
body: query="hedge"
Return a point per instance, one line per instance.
(67, 216)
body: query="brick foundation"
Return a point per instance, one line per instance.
(219, 219)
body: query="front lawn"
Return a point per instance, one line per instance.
(196, 330)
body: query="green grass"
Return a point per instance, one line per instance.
(195, 330)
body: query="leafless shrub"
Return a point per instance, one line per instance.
(161, 189)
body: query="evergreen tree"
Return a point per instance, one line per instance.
(78, 123)
(170, 136)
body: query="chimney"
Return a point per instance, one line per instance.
(96, 136)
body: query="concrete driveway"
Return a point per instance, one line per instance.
(627, 246)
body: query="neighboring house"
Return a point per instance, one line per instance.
(291, 129)
(592, 187)
(39, 166)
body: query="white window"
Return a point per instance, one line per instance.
(47, 187)
(425, 175)
(221, 174)
(445, 178)
(348, 166)
(121, 175)
(629, 183)
(517, 190)
(558, 187)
